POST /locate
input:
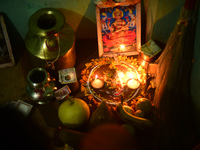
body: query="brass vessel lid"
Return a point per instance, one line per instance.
(49, 35)
(46, 21)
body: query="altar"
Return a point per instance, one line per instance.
(115, 83)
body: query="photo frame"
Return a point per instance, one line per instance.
(6, 55)
(118, 29)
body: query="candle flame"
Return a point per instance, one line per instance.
(130, 75)
(96, 76)
(121, 75)
(133, 75)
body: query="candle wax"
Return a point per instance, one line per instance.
(97, 83)
(133, 84)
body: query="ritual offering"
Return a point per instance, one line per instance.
(61, 93)
(110, 78)
(102, 115)
(40, 86)
(50, 40)
(97, 83)
(74, 112)
(67, 75)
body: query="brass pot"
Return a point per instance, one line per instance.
(40, 86)
(144, 60)
(51, 39)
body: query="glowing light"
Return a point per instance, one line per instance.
(132, 75)
(120, 76)
(122, 47)
(133, 84)
(97, 83)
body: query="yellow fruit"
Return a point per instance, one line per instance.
(139, 122)
(144, 105)
(139, 113)
(129, 109)
(74, 113)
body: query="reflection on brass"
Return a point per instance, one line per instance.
(48, 33)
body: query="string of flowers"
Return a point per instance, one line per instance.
(107, 60)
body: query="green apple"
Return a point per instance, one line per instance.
(74, 113)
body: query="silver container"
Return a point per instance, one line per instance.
(40, 86)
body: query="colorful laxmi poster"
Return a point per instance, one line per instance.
(119, 30)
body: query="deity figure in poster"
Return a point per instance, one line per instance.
(118, 28)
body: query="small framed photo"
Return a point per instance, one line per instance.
(118, 29)
(6, 55)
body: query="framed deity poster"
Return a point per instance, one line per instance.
(6, 55)
(119, 29)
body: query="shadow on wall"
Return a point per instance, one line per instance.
(83, 27)
(165, 25)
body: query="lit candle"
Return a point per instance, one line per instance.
(122, 47)
(133, 84)
(121, 75)
(97, 83)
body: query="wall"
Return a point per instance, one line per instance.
(80, 14)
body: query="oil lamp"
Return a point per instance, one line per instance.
(97, 83)
(133, 81)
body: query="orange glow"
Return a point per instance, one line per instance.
(133, 75)
(97, 83)
(122, 47)
(130, 74)
(123, 79)
(121, 75)
(133, 84)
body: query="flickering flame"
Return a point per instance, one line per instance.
(130, 75)
(121, 75)
(133, 75)
(133, 80)
(97, 83)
